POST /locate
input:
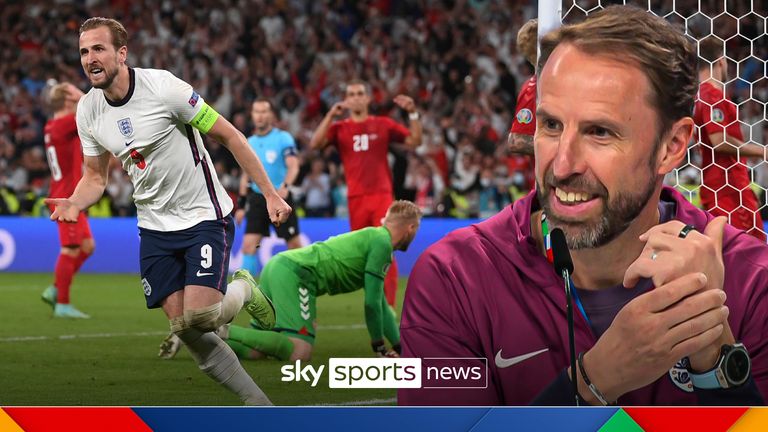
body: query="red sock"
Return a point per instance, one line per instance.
(80, 260)
(65, 270)
(390, 284)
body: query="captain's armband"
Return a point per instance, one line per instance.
(204, 119)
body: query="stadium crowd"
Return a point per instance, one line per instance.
(457, 59)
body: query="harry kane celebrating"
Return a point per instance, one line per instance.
(151, 121)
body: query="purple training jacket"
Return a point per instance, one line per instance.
(486, 291)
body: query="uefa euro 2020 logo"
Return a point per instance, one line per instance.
(524, 116)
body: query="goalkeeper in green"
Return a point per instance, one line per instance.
(345, 263)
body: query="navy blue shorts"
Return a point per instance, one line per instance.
(194, 256)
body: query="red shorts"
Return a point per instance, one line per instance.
(368, 210)
(72, 234)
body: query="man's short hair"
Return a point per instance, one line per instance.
(358, 81)
(403, 211)
(57, 96)
(711, 49)
(527, 39)
(119, 34)
(262, 99)
(658, 49)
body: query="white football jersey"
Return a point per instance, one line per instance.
(175, 184)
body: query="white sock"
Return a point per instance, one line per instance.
(238, 293)
(218, 361)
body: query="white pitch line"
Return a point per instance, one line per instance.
(137, 334)
(341, 327)
(359, 402)
(21, 288)
(80, 336)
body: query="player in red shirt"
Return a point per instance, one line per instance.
(520, 139)
(725, 177)
(362, 141)
(65, 159)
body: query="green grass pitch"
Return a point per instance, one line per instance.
(111, 359)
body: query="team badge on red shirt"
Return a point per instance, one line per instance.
(717, 115)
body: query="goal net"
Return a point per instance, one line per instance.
(741, 27)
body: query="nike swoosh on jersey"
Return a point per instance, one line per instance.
(129, 143)
(203, 274)
(501, 362)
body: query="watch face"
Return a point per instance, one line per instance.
(737, 367)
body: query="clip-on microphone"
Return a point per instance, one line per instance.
(564, 267)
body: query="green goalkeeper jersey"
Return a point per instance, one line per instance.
(340, 263)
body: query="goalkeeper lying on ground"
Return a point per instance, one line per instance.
(341, 264)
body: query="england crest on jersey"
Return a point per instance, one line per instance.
(125, 126)
(680, 375)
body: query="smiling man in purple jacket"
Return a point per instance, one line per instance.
(672, 303)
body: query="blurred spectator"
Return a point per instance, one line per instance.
(427, 184)
(465, 171)
(317, 190)
(290, 114)
(120, 189)
(339, 195)
(495, 183)
(457, 59)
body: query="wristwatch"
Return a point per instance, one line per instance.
(731, 370)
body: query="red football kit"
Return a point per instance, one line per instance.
(65, 159)
(363, 148)
(725, 177)
(524, 123)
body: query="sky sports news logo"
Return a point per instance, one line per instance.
(435, 373)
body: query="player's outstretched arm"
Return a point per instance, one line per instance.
(374, 292)
(735, 146)
(376, 317)
(292, 173)
(377, 263)
(414, 121)
(88, 191)
(391, 327)
(223, 131)
(520, 143)
(320, 136)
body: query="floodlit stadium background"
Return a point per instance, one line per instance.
(457, 59)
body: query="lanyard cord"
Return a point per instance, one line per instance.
(551, 259)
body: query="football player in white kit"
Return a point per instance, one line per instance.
(151, 121)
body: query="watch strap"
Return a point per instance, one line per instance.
(716, 377)
(707, 380)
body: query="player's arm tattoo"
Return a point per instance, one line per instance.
(521, 144)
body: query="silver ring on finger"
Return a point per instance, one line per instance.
(654, 255)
